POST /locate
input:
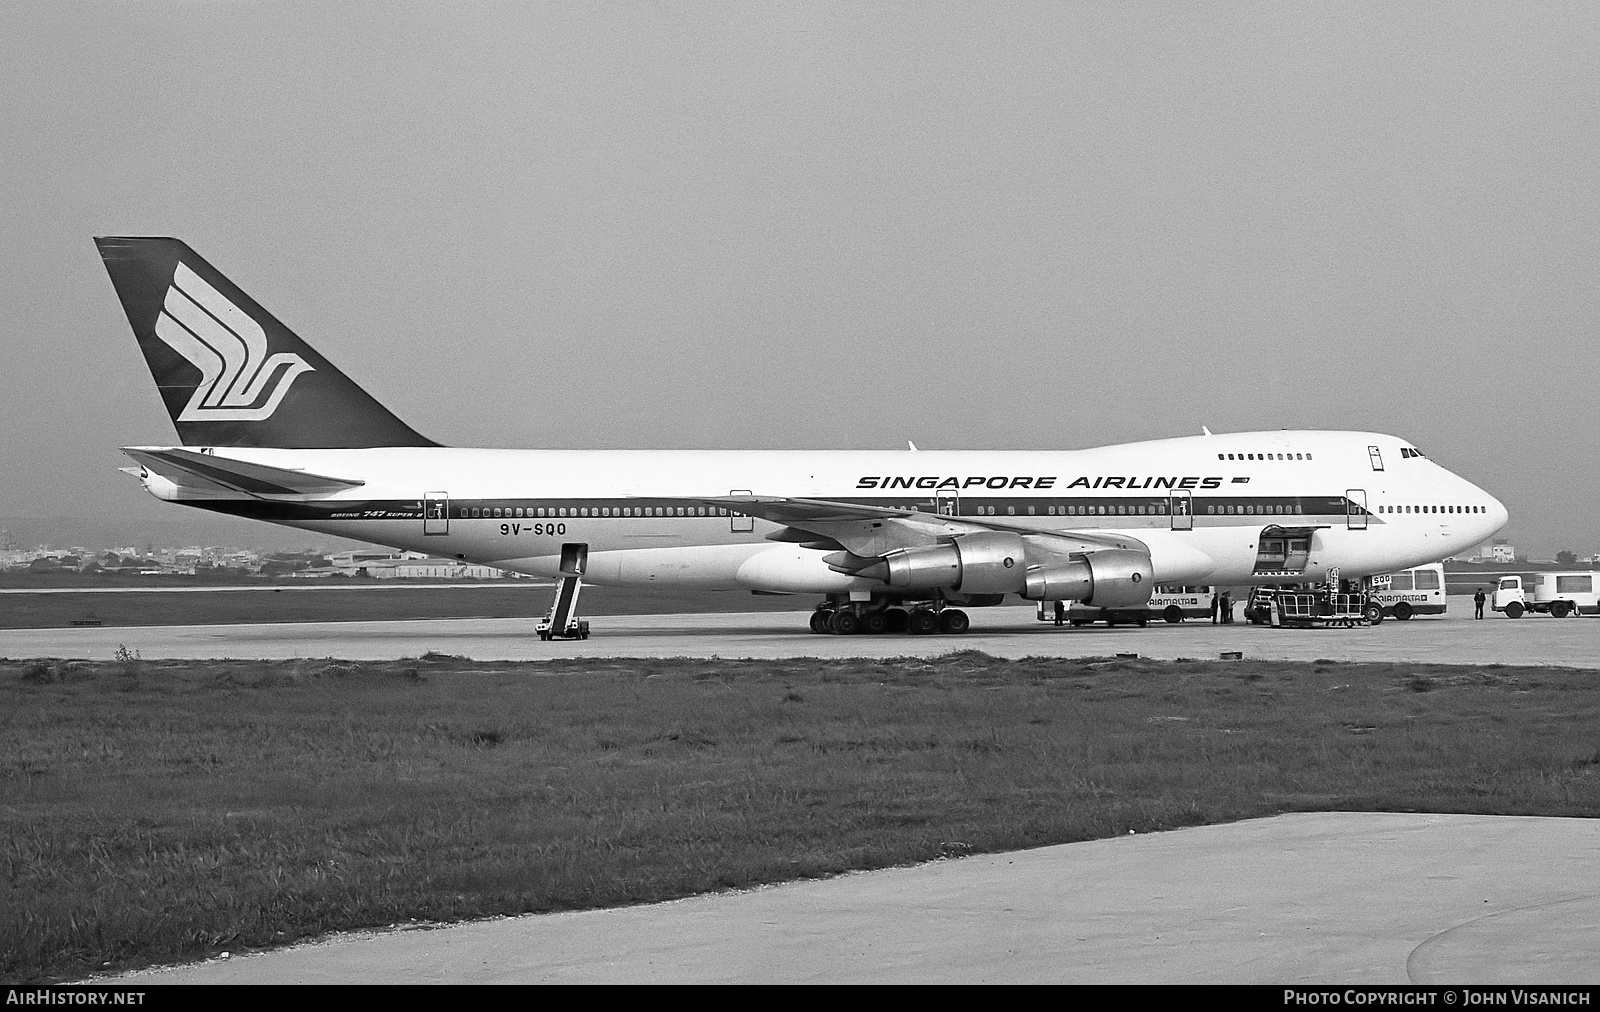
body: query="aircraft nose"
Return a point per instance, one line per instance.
(1496, 517)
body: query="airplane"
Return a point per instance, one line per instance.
(898, 540)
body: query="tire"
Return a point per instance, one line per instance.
(874, 622)
(846, 623)
(1173, 614)
(1558, 609)
(1374, 614)
(821, 621)
(923, 621)
(1514, 609)
(954, 621)
(1402, 612)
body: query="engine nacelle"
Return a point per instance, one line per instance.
(1114, 578)
(986, 562)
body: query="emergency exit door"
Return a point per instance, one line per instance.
(1355, 505)
(1181, 506)
(436, 513)
(739, 523)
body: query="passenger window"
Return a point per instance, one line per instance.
(1427, 579)
(1400, 581)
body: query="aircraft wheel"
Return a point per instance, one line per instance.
(1514, 609)
(923, 621)
(1374, 614)
(1402, 612)
(1558, 609)
(820, 621)
(874, 622)
(954, 621)
(846, 623)
(1173, 614)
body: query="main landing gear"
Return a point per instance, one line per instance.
(851, 618)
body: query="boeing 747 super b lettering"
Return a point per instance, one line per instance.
(890, 539)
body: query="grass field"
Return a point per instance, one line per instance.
(163, 811)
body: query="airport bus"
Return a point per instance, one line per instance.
(1170, 602)
(1418, 591)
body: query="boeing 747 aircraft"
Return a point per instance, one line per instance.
(888, 539)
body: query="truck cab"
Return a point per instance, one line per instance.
(1557, 594)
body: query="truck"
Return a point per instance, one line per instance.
(1555, 594)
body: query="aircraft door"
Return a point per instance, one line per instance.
(436, 513)
(1181, 507)
(738, 523)
(1355, 504)
(947, 504)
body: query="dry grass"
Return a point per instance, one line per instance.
(159, 811)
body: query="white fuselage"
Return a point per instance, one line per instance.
(1200, 503)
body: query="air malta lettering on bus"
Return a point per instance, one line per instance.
(937, 482)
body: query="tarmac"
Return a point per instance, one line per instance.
(1454, 638)
(1320, 898)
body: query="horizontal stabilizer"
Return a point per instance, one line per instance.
(206, 471)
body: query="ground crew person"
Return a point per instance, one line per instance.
(1477, 600)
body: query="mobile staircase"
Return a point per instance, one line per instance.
(563, 623)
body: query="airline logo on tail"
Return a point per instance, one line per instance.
(229, 349)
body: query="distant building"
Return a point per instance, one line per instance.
(433, 569)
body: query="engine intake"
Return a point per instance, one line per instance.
(1114, 578)
(986, 562)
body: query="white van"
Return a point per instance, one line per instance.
(1559, 594)
(1418, 591)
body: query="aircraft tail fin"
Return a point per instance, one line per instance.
(229, 372)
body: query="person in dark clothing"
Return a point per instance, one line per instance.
(1477, 600)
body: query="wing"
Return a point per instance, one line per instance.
(206, 473)
(874, 531)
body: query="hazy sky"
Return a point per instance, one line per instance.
(845, 225)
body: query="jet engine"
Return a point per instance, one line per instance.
(985, 562)
(1114, 578)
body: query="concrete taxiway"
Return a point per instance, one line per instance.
(1323, 898)
(1455, 638)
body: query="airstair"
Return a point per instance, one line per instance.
(563, 623)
